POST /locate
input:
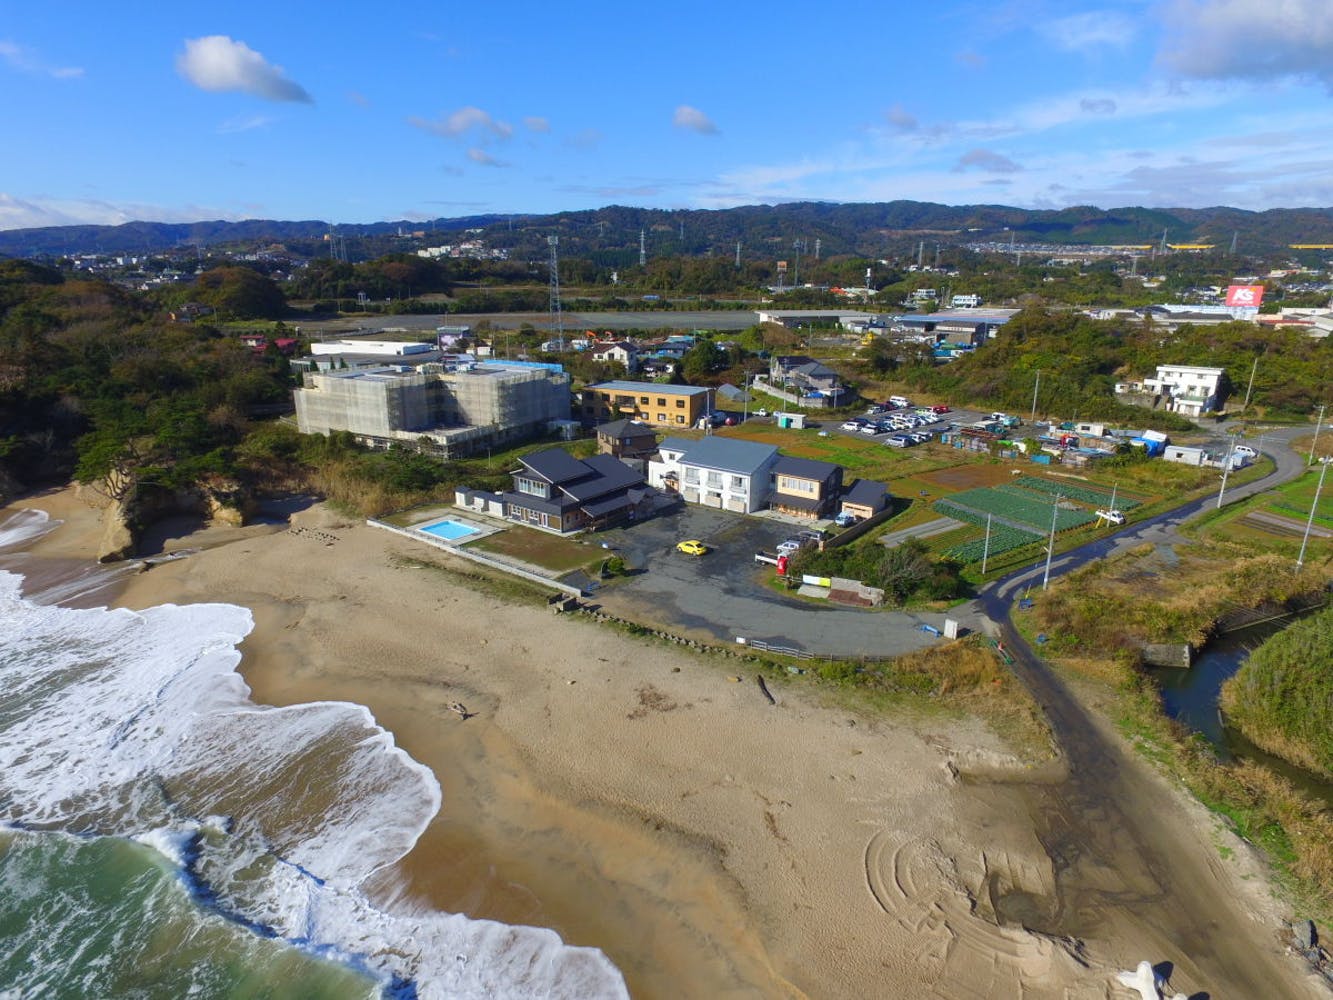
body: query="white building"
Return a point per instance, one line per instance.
(716, 472)
(1186, 389)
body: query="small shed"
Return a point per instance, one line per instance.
(791, 421)
(865, 498)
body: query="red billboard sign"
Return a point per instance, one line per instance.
(1245, 295)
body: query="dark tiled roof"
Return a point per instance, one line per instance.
(610, 506)
(526, 502)
(624, 429)
(865, 491)
(555, 465)
(804, 468)
(603, 474)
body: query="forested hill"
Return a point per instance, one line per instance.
(871, 230)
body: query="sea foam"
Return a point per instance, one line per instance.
(136, 724)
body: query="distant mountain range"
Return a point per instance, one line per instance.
(870, 229)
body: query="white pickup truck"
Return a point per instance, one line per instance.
(1111, 516)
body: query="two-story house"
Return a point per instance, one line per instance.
(1186, 389)
(621, 351)
(555, 491)
(626, 439)
(805, 487)
(719, 472)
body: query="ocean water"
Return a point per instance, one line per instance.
(163, 836)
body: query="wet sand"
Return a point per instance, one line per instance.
(635, 798)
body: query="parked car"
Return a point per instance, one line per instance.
(855, 424)
(900, 401)
(940, 409)
(920, 437)
(1246, 450)
(845, 520)
(692, 547)
(790, 547)
(898, 441)
(1111, 516)
(870, 428)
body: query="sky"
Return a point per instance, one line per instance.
(356, 112)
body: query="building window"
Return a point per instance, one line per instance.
(661, 401)
(691, 474)
(680, 404)
(661, 418)
(643, 401)
(738, 482)
(680, 418)
(715, 480)
(532, 487)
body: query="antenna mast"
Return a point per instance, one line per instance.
(557, 317)
(738, 255)
(643, 250)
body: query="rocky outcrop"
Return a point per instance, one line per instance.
(119, 539)
(221, 502)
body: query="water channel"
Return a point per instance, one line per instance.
(1191, 697)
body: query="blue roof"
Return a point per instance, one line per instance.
(648, 388)
(728, 454)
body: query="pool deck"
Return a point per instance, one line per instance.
(480, 528)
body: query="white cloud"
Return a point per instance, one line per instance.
(588, 138)
(693, 120)
(987, 161)
(483, 158)
(244, 123)
(26, 61)
(1097, 105)
(535, 123)
(900, 118)
(1257, 39)
(220, 64)
(464, 121)
(30, 212)
(1080, 32)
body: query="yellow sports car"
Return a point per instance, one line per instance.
(692, 547)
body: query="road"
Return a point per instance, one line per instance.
(1119, 858)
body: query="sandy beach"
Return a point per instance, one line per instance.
(636, 798)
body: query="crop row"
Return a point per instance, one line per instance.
(1083, 494)
(1002, 539)
(1034, 511)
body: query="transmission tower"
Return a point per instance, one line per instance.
(557, 318)
(643, 250)
(818, 244)
(738, 255)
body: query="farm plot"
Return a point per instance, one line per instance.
(1002, 539)
(1073, 491)
(1009, 509)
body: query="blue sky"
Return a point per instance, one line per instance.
(363, 112)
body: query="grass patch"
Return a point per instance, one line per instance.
(560, 555)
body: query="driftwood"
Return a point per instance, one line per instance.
(461, 710)
(764, 688)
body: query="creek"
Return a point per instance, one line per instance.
(1192, 697)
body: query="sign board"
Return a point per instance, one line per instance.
(1245, 296)
(950, 629)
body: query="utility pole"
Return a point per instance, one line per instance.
(1318, 424)
(1035, 388)
(1226, 469)
(1323, 468)
(1050, 549)
(985, 549)
(1249, 388)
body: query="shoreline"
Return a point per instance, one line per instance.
(633, 798)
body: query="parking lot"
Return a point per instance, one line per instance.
(725, 594)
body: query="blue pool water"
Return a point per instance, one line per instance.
(446, 529)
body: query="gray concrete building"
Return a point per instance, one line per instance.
(451, 411)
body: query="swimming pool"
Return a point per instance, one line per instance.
(447, 529)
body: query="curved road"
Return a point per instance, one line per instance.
(1109, 828)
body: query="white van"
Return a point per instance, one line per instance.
(1246, 450)
(900, 401)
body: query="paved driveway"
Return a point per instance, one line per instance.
(725, 594)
